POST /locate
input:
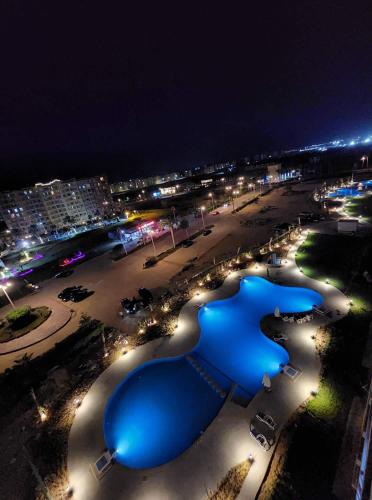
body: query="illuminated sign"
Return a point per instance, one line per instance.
(70, 260)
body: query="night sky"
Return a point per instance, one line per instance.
(154, 87)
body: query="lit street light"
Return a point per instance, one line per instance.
(212, 198)
(123, 241)
(202, 215)
(3, 287)
(233, 200)
(363, 159)
(153, 243)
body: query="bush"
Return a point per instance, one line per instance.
(19, 317)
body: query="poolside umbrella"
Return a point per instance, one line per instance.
(277, 312)
(266, 382)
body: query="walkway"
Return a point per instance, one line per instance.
(227, 440)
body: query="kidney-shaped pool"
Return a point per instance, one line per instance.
(163, 406)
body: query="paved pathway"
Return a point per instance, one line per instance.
(227, 440)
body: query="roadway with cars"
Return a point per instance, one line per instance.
(112, 281)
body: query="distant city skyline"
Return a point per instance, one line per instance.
(117, 167)
(156, 90)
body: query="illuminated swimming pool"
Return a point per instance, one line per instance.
(163, 406)
(345, 192)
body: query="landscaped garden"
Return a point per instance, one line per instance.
(22, 320)
(360, 207)
(313, 440)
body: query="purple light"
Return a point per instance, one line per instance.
(37, 256)
(24, 273)
(68, 261)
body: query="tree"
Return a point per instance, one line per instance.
(184, 224)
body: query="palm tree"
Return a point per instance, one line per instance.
(184, 224)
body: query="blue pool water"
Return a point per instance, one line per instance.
(352, 191)
(163, 406)
(345, 192)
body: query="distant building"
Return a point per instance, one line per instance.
(50, 206)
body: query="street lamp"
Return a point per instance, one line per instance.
(123, 241)
(153, 243)
(212, 198)
(363, 159)
(233, 201)
(202, 215)
(3, 287)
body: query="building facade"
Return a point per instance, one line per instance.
(50, 206)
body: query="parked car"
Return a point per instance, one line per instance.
(266, 419)
(216, 212)
(260, 438)
(130, 306)
(79, 295)
(64, 274)
(206, 232)
(66, 293)
(149, 262)
(187, 243)
(279, 337)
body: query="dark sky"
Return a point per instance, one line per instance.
(157, 87)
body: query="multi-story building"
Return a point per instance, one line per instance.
(50, 206)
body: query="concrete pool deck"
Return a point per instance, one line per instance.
(227, 441)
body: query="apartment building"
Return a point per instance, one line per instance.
(50, 206)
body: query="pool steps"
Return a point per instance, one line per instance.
(205, 375)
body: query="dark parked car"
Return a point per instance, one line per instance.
(131, 306)
(206, 232)
(80, 294)
(187, 243)
(149, 262)
(64, 274)
(66, 293)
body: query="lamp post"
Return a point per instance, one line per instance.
(228, 189)
(212, 198)
(152, 241)
(202, 216)
(3, 287)
(233, 200)
(363, 159)
(172, 233)
(123, 242)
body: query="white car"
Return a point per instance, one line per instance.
(279, 337)
(260, 438)
(266, 419)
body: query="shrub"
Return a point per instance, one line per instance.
(19, 316)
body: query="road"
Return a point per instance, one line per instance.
(112, 281)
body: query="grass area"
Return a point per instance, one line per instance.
(36, 318)
(341, 260)
(327, 402)
(360, 206)
(231, 485)
(316, 435)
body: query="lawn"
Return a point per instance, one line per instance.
(360, 206)
(317, 432)
(341, 260)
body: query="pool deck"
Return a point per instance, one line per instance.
(227, 441)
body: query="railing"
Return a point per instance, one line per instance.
(247, 252)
